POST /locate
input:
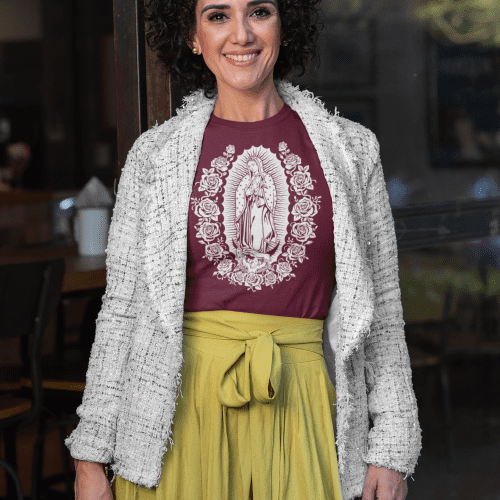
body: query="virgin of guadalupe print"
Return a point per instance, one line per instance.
(248, 239)
(255, 203)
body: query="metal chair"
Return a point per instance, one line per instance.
(63, 382)
(15, 478)
(434, 356)
(62, 391)
(29, 294)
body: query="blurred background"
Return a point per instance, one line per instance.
(77, 85)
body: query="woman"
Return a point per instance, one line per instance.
(258, 414)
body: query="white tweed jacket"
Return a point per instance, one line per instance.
(133, 374)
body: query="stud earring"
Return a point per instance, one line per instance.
(195, 51)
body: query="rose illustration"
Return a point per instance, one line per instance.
(210, 182)
(254, 280)
(220, 163)
(296, 252)
(282, 146)
(230, 149)
(208, 231)
(224, 266)
(207, 209)
(301, 181)
(239, 277)
(291, 161)
(214, 251)
(304, 208)
(302, 231)
(270, 278)
(283, 269)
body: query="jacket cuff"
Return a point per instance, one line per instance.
(90, 442)
(397, 451)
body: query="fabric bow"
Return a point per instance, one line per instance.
(262, 370)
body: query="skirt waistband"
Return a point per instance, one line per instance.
(257, 341)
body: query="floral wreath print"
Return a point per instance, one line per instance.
(242, 268)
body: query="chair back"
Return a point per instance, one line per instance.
(29, 295)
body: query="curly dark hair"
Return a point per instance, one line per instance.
(169, 22)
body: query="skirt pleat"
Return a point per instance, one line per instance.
(283, 449)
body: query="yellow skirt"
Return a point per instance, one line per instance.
(256, 416)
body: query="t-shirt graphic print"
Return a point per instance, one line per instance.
(260, 229)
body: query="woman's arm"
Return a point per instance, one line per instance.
(94, 437)
(394, 441)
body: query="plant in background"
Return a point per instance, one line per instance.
(362, 9)
(462, 21)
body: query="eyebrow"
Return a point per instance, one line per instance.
(224, 6)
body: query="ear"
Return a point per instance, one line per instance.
(192, 39)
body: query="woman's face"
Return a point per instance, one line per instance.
(237, 27)
(254, 168)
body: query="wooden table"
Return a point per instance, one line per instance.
(25, 197)
(83, 273)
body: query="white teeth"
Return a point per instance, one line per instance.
(242, 58)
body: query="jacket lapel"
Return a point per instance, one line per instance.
(354, 283)
(167, 195)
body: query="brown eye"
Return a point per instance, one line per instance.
(211, 17)
(263, 9)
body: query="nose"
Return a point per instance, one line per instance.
(243, 33)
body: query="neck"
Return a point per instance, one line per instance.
(248, 105)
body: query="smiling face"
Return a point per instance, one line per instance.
(238, 27)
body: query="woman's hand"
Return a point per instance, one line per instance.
(91, 482)
(384, 484)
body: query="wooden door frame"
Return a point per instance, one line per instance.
(143, 90)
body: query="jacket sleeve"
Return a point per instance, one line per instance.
(394, 441)
(94, 437)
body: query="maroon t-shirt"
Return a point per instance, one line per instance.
(260, 226)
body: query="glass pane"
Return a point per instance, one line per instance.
(432, 100)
